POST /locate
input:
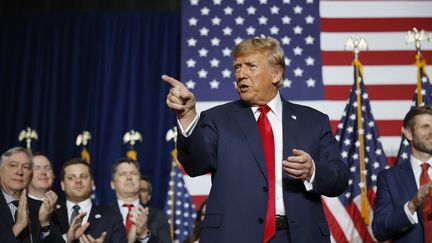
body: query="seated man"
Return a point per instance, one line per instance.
(100, 223)
(43, 177)
(23, 219)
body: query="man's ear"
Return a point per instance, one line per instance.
(277, 75)
(112, 185)
(407, 133)
(62, 185)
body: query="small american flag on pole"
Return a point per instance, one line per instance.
(179, 207)
(426, 99)
(350, 214)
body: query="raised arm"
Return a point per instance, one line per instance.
(181, 101)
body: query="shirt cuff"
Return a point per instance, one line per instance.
(411, 217)
(188, 131)
(309, 184)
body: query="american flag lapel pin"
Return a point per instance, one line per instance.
(98, 216)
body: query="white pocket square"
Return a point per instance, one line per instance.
(98, 216)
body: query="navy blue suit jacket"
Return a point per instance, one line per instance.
(226, 143)
(395, 187)
(101, 219)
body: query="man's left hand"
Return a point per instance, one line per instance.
(140, 219)
(299, 165)
(47, 207)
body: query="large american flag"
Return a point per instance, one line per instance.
(389, 71)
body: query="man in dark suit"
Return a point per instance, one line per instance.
(99, 223)
(403, 192)
(23, 219)
(158, 220)
(270, 160)
(142, 223)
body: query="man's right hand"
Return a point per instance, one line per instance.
(419, 197)
(22, 215)
(76, 230)
(181, 101)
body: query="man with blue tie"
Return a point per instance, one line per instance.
(270, 159)
(403, 204)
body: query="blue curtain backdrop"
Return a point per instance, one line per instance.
(64, 73)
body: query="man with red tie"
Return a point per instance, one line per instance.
(403, 204)
(270, 159)
(143, 224)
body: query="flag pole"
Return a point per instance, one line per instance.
(357, 43)
(417, 37)
(172, 199)
(363, 187)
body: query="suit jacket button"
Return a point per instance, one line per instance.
(265, 189)
(260, 220)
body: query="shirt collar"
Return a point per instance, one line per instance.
(85, 205)
(9, 199)
(275, 105)
(418, 162)
(135, 203)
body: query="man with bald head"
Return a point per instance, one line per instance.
(270, 159)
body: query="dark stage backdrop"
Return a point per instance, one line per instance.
(64, 73)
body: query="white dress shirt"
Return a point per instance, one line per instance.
(85, 206)
(124, 210)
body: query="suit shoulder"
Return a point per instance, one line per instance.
(390, 172)
(224, 107)
(304, 109)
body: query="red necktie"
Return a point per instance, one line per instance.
(128, 217)
(427, 205)
(269, 152)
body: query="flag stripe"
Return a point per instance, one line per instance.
(404, 74)
(379, 58)
(343, 218)
(377, 41)
(375, 9)
(337, 232)
(374, 24)
(375, 92)
(355, 214)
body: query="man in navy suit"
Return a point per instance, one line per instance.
(23, 219)
(401, 195)
(99, 223)
(246, 202)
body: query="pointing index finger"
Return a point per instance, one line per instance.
(171, 81)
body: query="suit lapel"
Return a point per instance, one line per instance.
(246, 122)
(62, 217)
(7, 217)
(408, 178)
(290, 130)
